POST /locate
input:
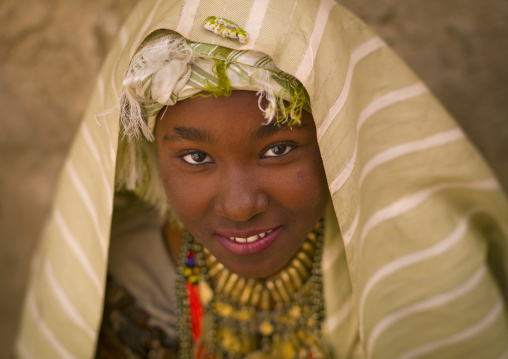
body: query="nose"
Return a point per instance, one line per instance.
(241, 196)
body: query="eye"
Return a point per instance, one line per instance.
(278, 150)
(197, 158)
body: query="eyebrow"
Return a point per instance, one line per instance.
(190, 134)
(197, 135)
(270, 129)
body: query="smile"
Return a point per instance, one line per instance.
(248, 242)
(250, 239)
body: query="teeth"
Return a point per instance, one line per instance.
(251, 238)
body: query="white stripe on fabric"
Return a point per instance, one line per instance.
(307, 63)
(66, 303)
(142, 29)
(424, 305)
(88, 204)
(348, 235)
(410, 147)
(286, 32)
(212, 50)
(391, 98)
(64, 353)
(187, 17)
(457, 338)
(254, 22)
(124, 36)
(95, 153)
(358, 54)
(111, 149)
(408, 203)
(414, 258)
(331, 254)
(100, 88)
(23, 350)
(358, 352)
(336, 319)
(113, 83)
(504, 355)
(76, 249)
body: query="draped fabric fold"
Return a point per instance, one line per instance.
(418, 268)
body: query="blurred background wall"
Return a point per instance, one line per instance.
(51, 50)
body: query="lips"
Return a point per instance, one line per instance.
(248, 242)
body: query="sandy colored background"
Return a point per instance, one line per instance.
(51, 50)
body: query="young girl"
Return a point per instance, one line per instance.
(251, 131)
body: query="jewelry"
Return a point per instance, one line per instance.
(250, 318)
(226, 28)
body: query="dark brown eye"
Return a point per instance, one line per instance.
(278, 150)
(197, 157)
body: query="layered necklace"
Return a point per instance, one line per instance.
(222, 315)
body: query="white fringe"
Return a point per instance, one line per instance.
(266, 90)
(149, 60)
(137, 171)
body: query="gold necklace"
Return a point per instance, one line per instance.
(263, 294)
(253, 318)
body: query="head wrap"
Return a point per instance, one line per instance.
(168, 68)
(419, 265)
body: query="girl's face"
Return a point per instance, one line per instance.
(247, 192)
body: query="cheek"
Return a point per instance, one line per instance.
(304, 189)
(185, 198)
(185, 195)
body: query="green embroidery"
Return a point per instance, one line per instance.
(223, 87)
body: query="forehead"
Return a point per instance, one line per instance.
(239, 112)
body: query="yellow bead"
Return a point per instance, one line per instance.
(295, 311)
(266, 328)
(205, 292)
(230, 341)
(311, 322)
(243, 315)
(224, 309)
(287, 351)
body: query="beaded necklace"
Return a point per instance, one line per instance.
(250, 318)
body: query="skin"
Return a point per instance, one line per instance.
(225, 171)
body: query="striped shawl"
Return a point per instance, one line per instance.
(420, 267)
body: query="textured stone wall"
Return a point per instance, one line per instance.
(50, 53)
(51, 50)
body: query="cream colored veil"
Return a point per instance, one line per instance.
(420, 267)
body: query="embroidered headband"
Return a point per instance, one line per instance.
(167, 69)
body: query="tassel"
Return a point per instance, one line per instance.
(196, 309)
